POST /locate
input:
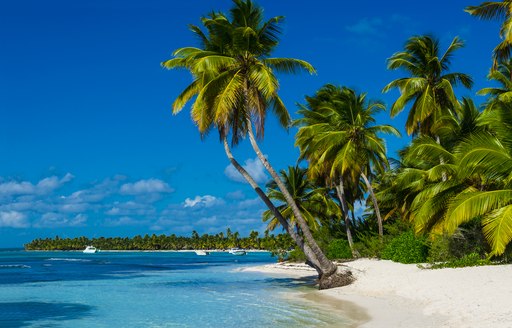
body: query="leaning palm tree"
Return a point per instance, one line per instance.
(339, 138)
(314, 202)
(234, 87)
(429, 88)
(497, 10)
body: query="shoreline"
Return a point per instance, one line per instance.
(403, 295)
(142, 251)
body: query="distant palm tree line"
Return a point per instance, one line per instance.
(220, 241)
(458, 167)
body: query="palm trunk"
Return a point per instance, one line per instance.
(354, 223)
(375, 205)
(310, 256)
(344, 208)
(327, 275)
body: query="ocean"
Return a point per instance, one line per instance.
(151, 289)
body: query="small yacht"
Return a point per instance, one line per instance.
(237, 251)
(201, 252)
(90, 250)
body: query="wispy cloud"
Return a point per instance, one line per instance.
(118, 203)
(203, 201)
(13, 219)
(59, 220)
(44, 186)
(379, 28)
(253, 166)
(366, 26)
(145, 187)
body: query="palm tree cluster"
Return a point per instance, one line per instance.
(219, 241)
(456, 169)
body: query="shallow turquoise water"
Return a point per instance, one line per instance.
(71, 289)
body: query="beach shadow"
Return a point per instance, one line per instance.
(309, 281)
(23, 314)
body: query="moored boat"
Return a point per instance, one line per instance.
(201, 252)
(90, 250)
(237, 251)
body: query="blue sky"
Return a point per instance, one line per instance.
(89, 145)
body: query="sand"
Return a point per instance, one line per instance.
(403, 295)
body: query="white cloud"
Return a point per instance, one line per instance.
(16, 188)
(44, 186)
(51, 183)
(54, 220)
(203, 201)
(253, 166)
(13, 219)
(145, 186)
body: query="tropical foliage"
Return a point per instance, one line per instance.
(452, 183)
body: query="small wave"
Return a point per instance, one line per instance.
(14, 266)
(67, 259)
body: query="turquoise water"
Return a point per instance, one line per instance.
(71, 289)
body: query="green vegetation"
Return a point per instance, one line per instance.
(447, 198)
(406, 248)
(274, 243)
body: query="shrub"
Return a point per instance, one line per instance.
(406, 248)
(339, 249)
(440, 250)
(472, 259)
(296, 255)
(371, 245)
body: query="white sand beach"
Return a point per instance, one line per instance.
(403, 295)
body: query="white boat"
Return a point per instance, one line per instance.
(90, 250)
(202, 253)
(237, 251)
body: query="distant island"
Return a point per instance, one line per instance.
(221, 240)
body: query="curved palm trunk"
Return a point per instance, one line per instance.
(327, 269)
(340, 191)
(310, 256)
(375, 205)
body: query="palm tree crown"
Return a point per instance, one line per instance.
(313, 201)
(429, 87)
(497, 10)
(234, 77)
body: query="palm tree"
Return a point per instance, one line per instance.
(313, 202)
(338, 137)
(497, 10)
(503, 75)
(487, 155)
(234, 86)
(429, 87)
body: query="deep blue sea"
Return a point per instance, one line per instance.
(142, 289)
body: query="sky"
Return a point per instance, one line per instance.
(88, 143)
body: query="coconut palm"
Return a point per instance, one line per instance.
(338, 137)
(503, 75)
(422, 187)
(429, 88)
(487, 155)
(497, 10)
(314, 202)
(234, 86)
